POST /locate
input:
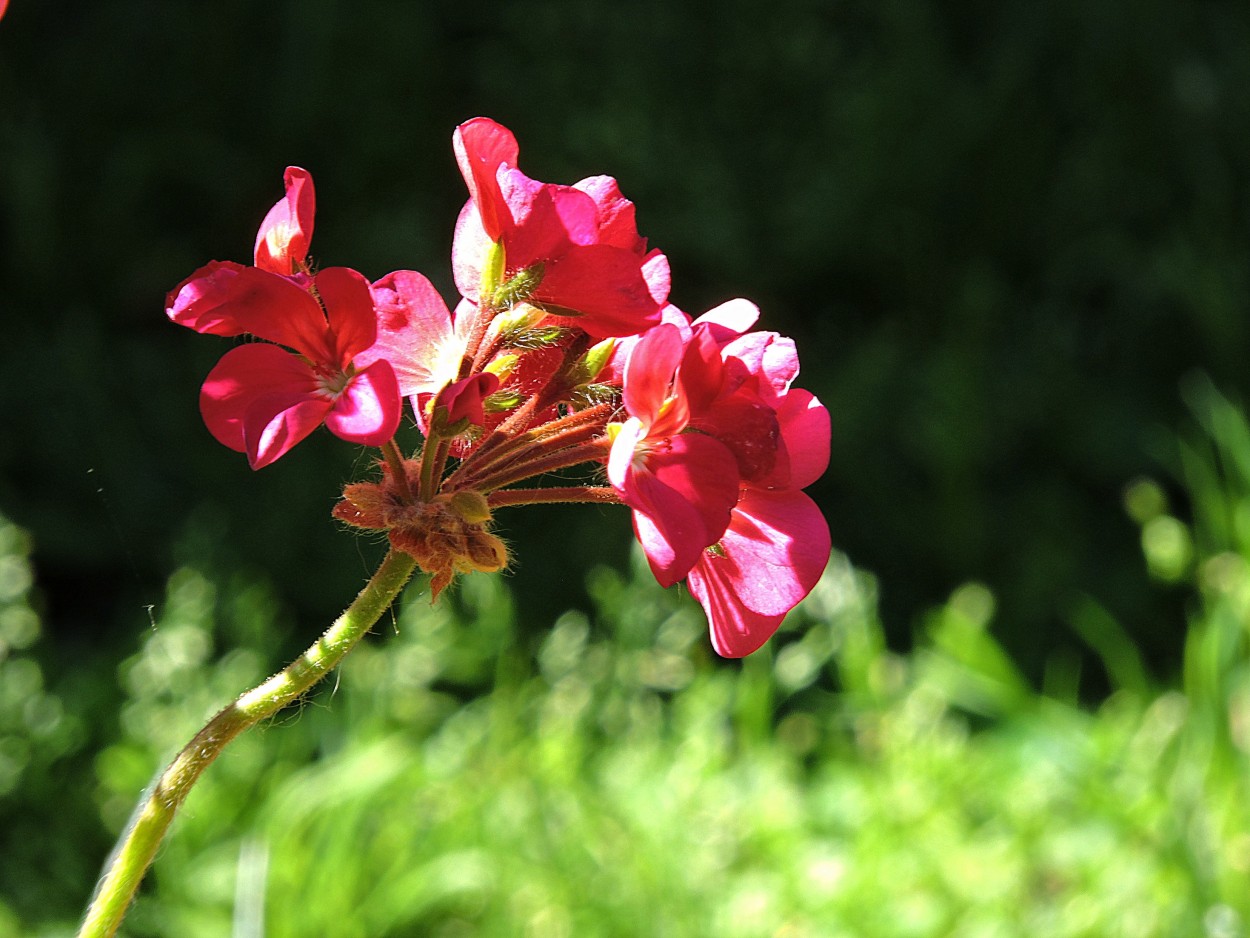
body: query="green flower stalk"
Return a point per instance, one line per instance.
(139, 843)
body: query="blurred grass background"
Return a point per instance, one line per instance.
(1011, 239)
(612, 778)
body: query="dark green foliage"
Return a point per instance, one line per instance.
(999, 232)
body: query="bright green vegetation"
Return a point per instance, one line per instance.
(616, 779)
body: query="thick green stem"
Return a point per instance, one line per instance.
(147, 828)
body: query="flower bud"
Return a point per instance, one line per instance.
(594, 360)
(487, 553)
(471, 506)
(502, 367)
(493, 269)
(520, 287)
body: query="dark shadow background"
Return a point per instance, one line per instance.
(1000, 233)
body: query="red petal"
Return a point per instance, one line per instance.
(773, 553)
(752, 432)
(262, 400)
(207, 300)
(805, 431)
(352, 321)
(282, 242)
(463, 399)
(649, 373)
(546, 220)
(368, 410)
(617, 226)
(684, 495)
(606, 285)
(481, 146)
(229, 299)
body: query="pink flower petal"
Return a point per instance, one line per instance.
(770, 557)
(368, 410)
(804, 423)
(729, 320)
(481, 147)
(685, 494)
(649, 373)
(655, 271)
(415, 333)
(766, 354)
(262, 400)
(469, 245)
(348, 303)
(282, 242)
(624, 447)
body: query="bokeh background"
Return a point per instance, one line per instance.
(1011, 239)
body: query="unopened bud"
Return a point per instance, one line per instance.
(471, 506)
(487, 553)
(594, 360)
(492, 270)
(502, 401)
(502, 366)
(520, 287)
(515, 321)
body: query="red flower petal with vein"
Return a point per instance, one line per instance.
(223, 298)
(261, 400)
(681, 498)
(770, 557)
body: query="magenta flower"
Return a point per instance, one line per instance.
(562, 352)
(578, 245)
(262, 399)
(711, 460)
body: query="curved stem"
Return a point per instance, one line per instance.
(152, 818)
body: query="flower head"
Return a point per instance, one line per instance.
(562, 357)
(575, 248)
(711, 459)
(263, 399)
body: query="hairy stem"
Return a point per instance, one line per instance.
(134, 852)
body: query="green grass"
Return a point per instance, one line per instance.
(617, 779)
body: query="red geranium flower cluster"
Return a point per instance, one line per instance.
(562, 351)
